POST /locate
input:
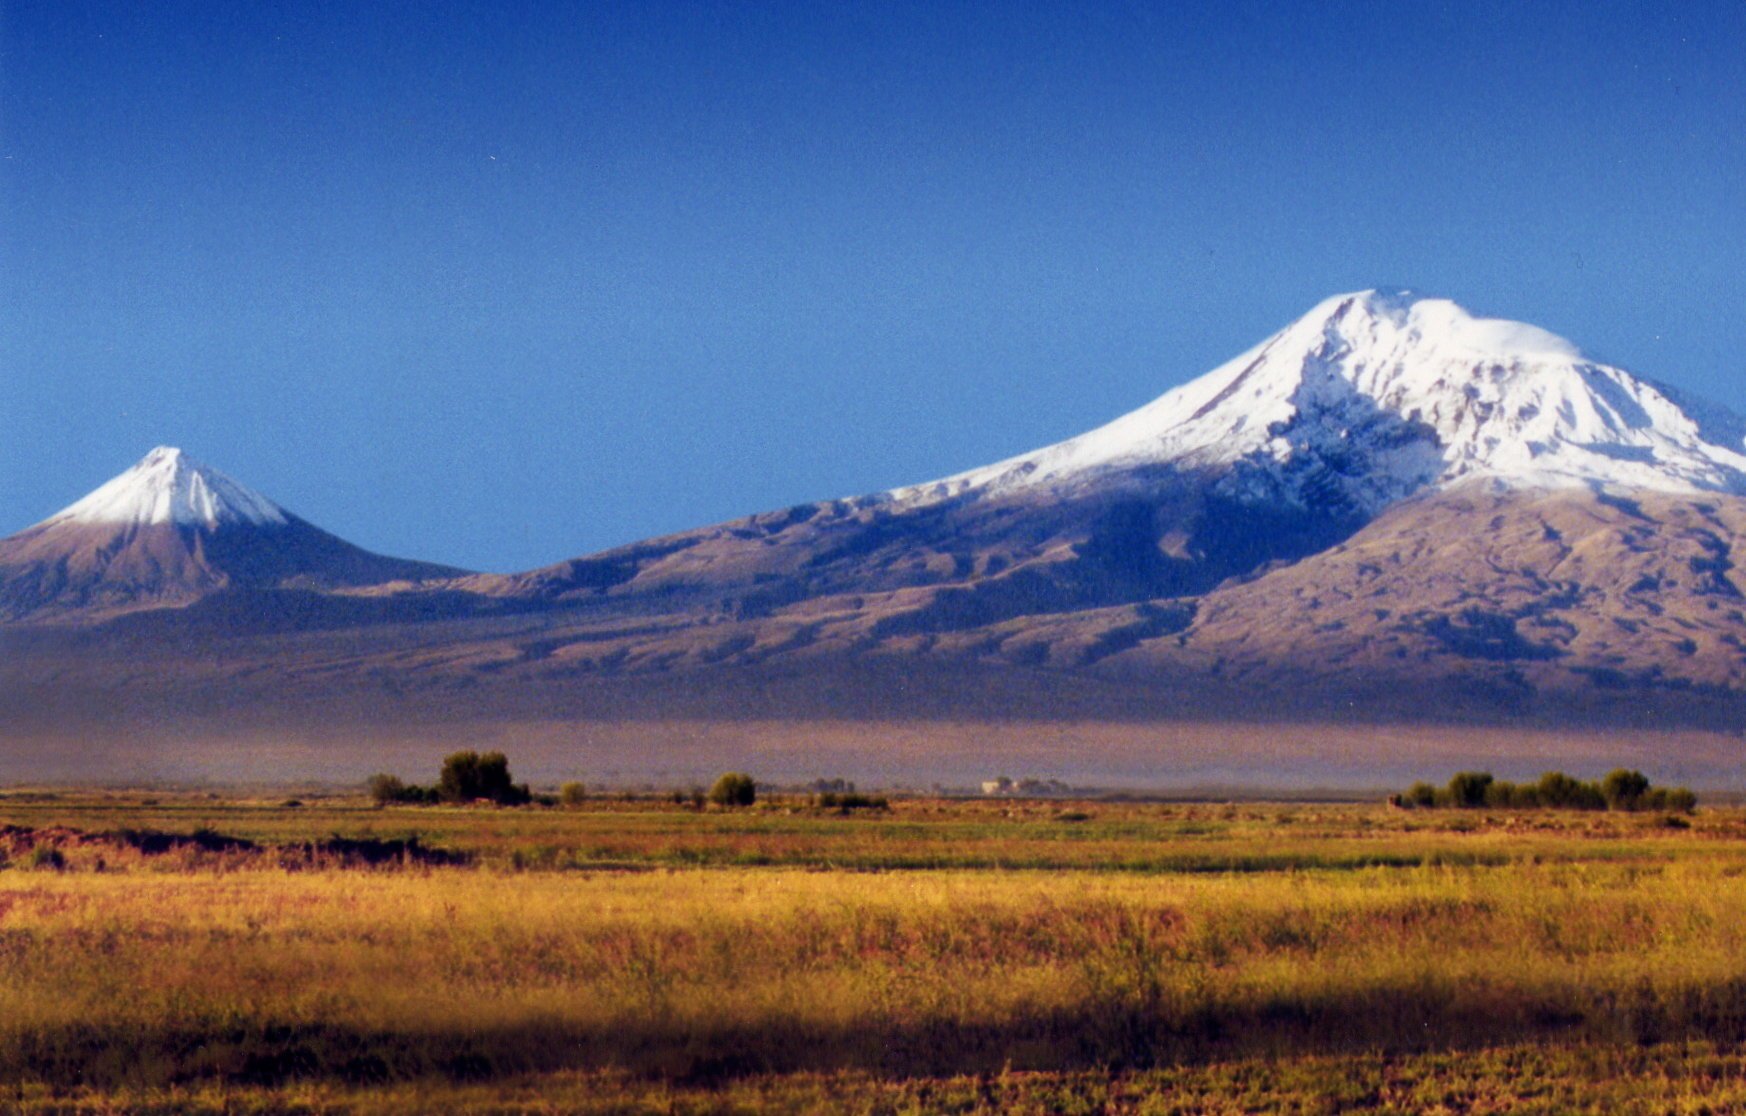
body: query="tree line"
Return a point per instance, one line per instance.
(472, 777)
(1620, 789)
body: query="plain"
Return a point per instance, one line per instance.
(186, 951)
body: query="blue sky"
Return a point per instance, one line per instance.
(498, 284)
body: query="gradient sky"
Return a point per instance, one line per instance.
(498, 284)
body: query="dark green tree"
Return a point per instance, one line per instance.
(1561, 792)
(1420, 794)
(385, 789)
(1468, 788)
(734, 789)
(1624, 790)
(469, 776)
(1678, 798)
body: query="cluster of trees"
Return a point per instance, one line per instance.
(472, 777)
(840, 795)
(1619, 790)
(465, 777)
(735, 788)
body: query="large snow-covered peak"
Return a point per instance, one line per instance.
(166, 486)
(1376, 395)
(1433, 324)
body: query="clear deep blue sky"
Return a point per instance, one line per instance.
(498, 284)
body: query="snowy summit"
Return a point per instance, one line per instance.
(1373, 396)
(169, 532)
(169, 487)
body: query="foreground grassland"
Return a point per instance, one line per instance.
(190, 954)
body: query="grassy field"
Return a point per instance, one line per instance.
(196, 953)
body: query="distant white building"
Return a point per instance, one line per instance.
(1030, 788)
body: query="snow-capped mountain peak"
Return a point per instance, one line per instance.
(1373, 396)
(169, 532)
(166, 486)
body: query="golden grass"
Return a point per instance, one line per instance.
(1347, 933)
(917, 834)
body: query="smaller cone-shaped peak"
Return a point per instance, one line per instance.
(169, 487)
(168, 532)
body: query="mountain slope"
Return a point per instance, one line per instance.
(1370, 399)
(1559, 590)
(1391, 503)
(1456, 604)
(169, 531)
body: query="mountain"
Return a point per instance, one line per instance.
(170, 531)
(1369, 400)
(1376, 396)
(1392, 507)
(1391, 512)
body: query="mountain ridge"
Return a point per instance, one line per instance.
(1358, 547)
(1366, 400)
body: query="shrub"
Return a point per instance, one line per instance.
(734, 789)
(1677, 799)
(469, 776)
(572, 794)
(385, 789)
(1502, 794)
(1561, 792)
(1624, 790)
(1420, 794)
(1467, 788)
(844, 802)
(46, 858)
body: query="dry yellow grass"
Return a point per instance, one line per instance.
(236, 975)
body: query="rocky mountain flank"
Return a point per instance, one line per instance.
(1391, 507)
